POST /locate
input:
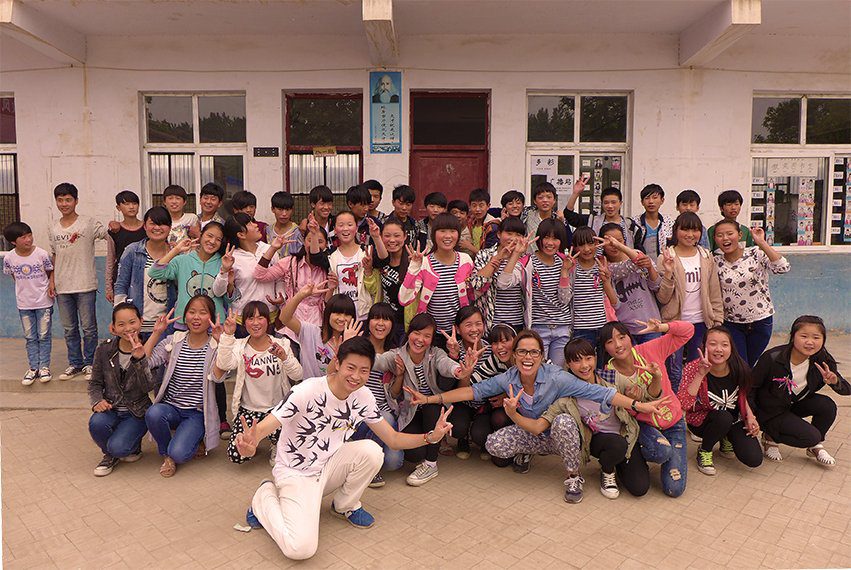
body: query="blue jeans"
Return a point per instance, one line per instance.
(36, 324)
(554, 337)
(393, 458)
(751, 339)
(78, 310)
(118, 434)
(668, 448)
(188, 426)
(675, 361)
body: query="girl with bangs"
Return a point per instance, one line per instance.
(438, 280)
(690, 290)
(350, 268)
(391, 271)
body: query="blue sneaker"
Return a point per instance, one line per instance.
(359, 518)
(252, 520)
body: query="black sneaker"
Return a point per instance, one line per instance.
(522, 463)
(377, 482)
(106, 465)
(463, 449)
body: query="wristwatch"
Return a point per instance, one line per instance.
(634, 409)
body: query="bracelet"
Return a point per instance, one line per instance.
(425, 438)
(441, 398)
(634, 409)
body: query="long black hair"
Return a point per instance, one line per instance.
(822, 355)
(403, 266)
(382, 312)
(336, 304)
(739, 369)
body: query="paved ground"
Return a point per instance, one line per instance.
(56, 514)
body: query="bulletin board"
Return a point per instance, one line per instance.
(840, 199)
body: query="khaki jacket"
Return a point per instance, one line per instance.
(671, 291)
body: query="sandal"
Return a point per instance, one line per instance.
(771, 450)
(820, 454)
(168, 468)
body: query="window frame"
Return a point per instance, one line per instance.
(12, 149)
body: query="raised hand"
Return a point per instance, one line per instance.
(277, 242)
(828, 375)
(216, 328)
(312, 224)
(652, 368)
(703, 364)
(366, 262)
(246, 442)
(758, 235)
(332, 282)
(453, 348)
(468, 365)
(186, 245)
(227, 258)
(512, 401)
(229, 326)
(443, 427)
(652, 325)
(603, 269)
(314, 289)
(417, 399)
(374, 230)
(568, 264)
(277, 300)
(579, 185)
(137, 349)
(415, 256)
(278, 351)
(522, 244)
(102, 406)
(668, 261)
(654, 407)
(163, 322)
(352, 330)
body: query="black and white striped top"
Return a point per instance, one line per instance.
(546, 307)
(508, 303)
(422, 382)
(590, 310)
(186, 386)
(376, 386)
(444, 302)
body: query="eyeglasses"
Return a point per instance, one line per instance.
(534, 353)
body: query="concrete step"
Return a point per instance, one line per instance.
(75, 385)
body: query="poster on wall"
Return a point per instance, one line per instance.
(806, 205)
(769, 212)
(846, 232)
(385, 112)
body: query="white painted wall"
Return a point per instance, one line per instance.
(690, 128)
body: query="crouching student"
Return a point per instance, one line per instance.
(265, 371)
(786, 381)
(185, 402)
(714, 395)
(316, 457)
(118, 391)
(532, 387)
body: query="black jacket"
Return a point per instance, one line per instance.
(129, 389)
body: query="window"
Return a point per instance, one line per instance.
(802, 119)
(450, 119)
(193, 139)
(571, 134)
(9, 198)
(324, 145)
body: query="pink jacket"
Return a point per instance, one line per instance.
(422, 280)
(295, 274)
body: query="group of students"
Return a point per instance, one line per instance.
(360, 340)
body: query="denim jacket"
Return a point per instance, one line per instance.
(551, 384)
(130, 283)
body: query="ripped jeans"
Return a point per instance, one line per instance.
(667, 447)
(36, 324)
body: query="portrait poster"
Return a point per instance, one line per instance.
(385, 112)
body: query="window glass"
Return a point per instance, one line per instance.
(449, 120)
(169, 119)
(226, 171)
(550, 118)
(325, 121)
(603, 119)
(776, 120)
(221, 118)
(829, 121)
(167, 169)
(7, 120)
(9, 198)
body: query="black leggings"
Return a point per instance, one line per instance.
(609, 449)
(222, 401)
(719, 424)
(423, 421)
(469, 423)
(634, 474)
(795, 431)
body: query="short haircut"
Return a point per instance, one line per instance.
(125, 306)
(373, 184)
(458, 205)
(610, 227)
(254, 309)
(686, 221)
(405, 194)
(357, 346)
(577, 348)
(528, 333)
(209, 304)
(611, 191)
(512, 224)
(584, 236)
(283, 201)
(444, 221)
(213, 189)
(723, 221)
(421, 322)
(358, 195)
(729, 197)
(174, 190)
(687, 197)
(243, 199)
(466, 312)
(500, 333)
(651, 189)
(542, 187)
(480, 195)
(15, 230)
(320, 193)
(435, 199)
(66, 189)
(553, 228)
(158, 215)
(126, 197)
(607, 331)
(511, 196)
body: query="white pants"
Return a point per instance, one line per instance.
(289, 509)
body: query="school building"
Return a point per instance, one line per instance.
(448, 95)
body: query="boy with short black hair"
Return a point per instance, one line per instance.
(435, 204)
(321, 205)
(652, 221)
(358, 200)
(479, 219)
(545, 202)
(376, 192)
(284, 226)
(730, 203)
(461, 210)
(120, 235)
(687, 201)
(31, 268)
(183, 224)
(74, 281)
(611, 201)
(512, 203)
(403, 202)
(212, 196)
(246, 202)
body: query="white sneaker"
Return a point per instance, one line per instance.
(422, 475)
(273, 453)
(609, 485)
(44, 375)
(29, 377)
(71, 372)
(87, 370)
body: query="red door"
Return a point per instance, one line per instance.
(449, 144)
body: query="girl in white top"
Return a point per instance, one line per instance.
(350, 265)
(265, 371)
(183, 224)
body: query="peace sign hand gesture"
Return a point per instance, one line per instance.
(229, 326)
(828, 375)
(453, 348)
(652, 368)
(137, 349)
(216, 328)
(512, 401)
(468, 365)
(417, 399)
(227, 258)
(374, 230)
(443, 427)
(246, 442)
(163, 323)
(414, 254)
(312, 224)
(667, 261)
(366, 262)
(603, 269)
(652, 325)
(186, 245)
(568, 264)
(703, 364)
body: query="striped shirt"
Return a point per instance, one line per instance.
(508, 303)
(376, 386)
(444, 303)
(186, 386)
(422, 382)
(589, 308)
(546, 307)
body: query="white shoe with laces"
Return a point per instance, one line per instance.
(71, 372)
(44, 375)
(422, 475)
(609, 485)
(29, 377)
(87, 370)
